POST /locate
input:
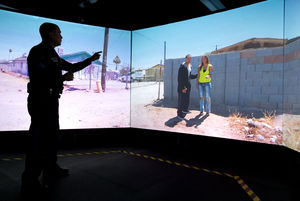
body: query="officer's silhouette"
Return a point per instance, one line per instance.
(44, 88)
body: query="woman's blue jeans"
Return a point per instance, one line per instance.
(204, 92)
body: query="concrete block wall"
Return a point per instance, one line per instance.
(218, 90)
(291, 78)
(262, 79)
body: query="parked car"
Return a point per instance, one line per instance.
(123, 78)
(137, 76)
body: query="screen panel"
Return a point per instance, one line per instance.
(81, 104)
(245, 48)
(291, 97)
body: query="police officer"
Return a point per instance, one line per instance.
(45, 86)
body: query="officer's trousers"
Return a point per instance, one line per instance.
(41, 149)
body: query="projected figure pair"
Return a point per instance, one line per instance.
(203, 85)
(45, 87)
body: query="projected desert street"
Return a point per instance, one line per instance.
(80, 108)
(99, 110)
(13, 98)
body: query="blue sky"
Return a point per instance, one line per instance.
(196, 36)
(201, 35)
(21, 32)
(292, 16)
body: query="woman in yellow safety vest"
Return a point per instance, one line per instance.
(204, 76)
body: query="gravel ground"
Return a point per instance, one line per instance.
(145, 115)
(150, 113)
(291, 131)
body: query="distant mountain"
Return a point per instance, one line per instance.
(253, 43)
(292, 40)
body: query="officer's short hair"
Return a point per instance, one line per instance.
(46, 28)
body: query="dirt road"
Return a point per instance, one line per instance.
(79, 108)
(291, 128)
(13, 99)
(145, 115)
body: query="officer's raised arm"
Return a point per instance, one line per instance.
(80, 65)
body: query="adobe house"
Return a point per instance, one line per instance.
(152, 74)
(5, 65)
(19, 65)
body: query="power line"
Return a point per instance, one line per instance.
(149, 39)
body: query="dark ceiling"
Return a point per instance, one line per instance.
(126, 14)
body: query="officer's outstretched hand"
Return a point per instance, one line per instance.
(69, 76)
(95, 56)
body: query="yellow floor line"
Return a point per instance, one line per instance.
(239, 181)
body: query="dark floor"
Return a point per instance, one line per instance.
(138, 174)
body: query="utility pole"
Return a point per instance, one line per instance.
(159, 79)
(104, 61)
(165, 55)
(127, 72)
(90, 81)
(217, 48)
(98, 70)
(165, 51)
(9, 54)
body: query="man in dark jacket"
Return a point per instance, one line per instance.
(45, 86)
(184, 87)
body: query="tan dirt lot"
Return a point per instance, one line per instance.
(79, 108)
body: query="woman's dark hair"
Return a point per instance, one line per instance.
(46, 28)
(207, 59)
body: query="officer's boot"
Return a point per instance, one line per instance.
(51, 174)
(31, 189)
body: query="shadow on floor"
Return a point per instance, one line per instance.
(196, 121)
(172, 122)
(220, 110)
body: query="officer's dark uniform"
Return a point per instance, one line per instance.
(45, 86)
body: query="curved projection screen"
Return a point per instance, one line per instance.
(253, 93)
(291, 76)
(245, 48)
(81, 104)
